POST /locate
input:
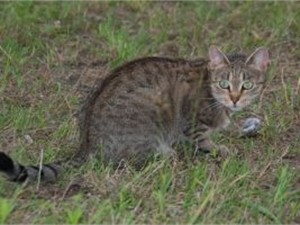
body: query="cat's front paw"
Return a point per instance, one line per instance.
(220, 151)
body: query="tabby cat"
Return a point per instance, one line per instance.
(148, 105)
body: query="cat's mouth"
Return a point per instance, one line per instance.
(232, 107)
(235, 107)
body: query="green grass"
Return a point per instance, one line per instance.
(49, 53)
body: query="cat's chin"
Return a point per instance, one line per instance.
(235, 108)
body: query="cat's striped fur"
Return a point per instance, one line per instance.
(148, 105)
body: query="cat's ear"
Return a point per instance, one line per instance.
(217, 58)
(259, 59)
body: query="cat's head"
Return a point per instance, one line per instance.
(236, 80)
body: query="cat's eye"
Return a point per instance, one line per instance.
(247, 85)
(224, 84)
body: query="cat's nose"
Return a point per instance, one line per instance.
(235, 97)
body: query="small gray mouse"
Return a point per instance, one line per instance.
(251, 127)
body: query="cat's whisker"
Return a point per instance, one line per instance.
(213, 106)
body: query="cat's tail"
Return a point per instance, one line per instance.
(17, 172)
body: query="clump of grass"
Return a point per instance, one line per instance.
(120, 43)
(6, 208)
(75, 214)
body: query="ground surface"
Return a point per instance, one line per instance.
(50, 56)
